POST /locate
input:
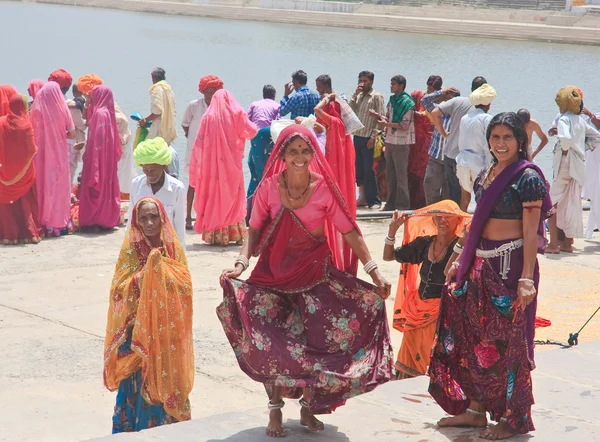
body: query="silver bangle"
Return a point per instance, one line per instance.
(530, 281)
(370, 266)
(456, 264)
(245, 262)
(390, 241)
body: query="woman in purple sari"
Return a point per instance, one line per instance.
(299, 325)
(483, 352)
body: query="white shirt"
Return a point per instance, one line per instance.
(474, 152)
(191, 119)
(172, 195)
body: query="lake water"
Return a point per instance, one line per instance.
(123, 47)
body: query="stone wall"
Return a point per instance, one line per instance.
(310, 5)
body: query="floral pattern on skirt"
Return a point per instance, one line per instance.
(333, 338)
(234, 233)
(481, 349)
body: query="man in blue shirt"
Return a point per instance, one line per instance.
(303, 102)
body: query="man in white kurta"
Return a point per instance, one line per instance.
(569, 170)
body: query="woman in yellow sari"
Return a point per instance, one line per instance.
(148, 350)
(430, 236)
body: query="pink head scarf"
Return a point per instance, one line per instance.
(34, 87)
(51, 121)
(216, 164)
(99, 201)
(6, 93)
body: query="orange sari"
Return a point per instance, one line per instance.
(151, 302)
(413, 316)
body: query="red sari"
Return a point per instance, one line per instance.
(340, 154)
(299, 321)
(18, 200)
(419, 154)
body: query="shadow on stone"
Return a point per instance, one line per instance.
(294, 432)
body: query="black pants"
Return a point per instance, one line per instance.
(364, 170)
(454, 192)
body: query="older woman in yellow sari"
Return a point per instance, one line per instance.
(148, 350)
(430, 236)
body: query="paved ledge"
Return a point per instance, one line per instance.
(431, 24)
(566, 389)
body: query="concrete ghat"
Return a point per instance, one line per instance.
(441, 25)
(566, 389)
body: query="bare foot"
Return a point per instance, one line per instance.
(188, 224)
(499, 431)
(568, 249)
(464, 420)
(552, 249)
(307, 419)
(275, 426)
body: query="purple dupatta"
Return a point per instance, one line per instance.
(484, 210)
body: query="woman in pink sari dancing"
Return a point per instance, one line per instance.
(100, 197)
(300, 325)
(216, 170)
(52, 125)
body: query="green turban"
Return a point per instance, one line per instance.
(153, 151)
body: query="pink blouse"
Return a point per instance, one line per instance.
(322, 205)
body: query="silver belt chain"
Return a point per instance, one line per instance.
(503, 252)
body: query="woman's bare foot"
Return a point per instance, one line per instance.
(275, 426)
(499, 431)
(552, 249)
(467, 419)
(307, 419)
(188, 224)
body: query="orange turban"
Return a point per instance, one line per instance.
(210, 81)
(62, 77)
(86, 83)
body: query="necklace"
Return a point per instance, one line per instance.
(438, 256)
(488, 175)
(287, 189)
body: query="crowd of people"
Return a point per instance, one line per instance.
(303, 324)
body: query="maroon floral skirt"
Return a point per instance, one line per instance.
(482, 348)
(333, 338)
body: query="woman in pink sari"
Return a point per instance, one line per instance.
(100, 195)
(33, 88)
(418, 156)
(216, 170)
(52, 125)
(299, 324)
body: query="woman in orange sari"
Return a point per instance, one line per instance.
(430, 236)
(18, 199)
(149, 350)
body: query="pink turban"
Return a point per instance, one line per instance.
(62, 77)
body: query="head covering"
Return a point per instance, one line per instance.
(51, 120)
(17, 149)
(320, 166)
(87, 82)
(34, 87)
(141, 304)
(410, 311)
(216, 164)
(6, 93)
(210, 81)
(153, 151)
(569, 99)
(100, 202)
(62, 77)
(483, 95)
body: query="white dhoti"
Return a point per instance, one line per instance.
(566, 195)
(591, 190)
(74, 160)
(125, 169)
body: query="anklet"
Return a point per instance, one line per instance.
(277, 406)
(476, 413)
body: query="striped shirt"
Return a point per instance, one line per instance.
(438, 143)
(361, 104)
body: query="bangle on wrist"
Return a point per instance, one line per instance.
(243, 261)
(390, 240)
(530, 281)
(456, 264)
(370, 266)
(458, 249)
